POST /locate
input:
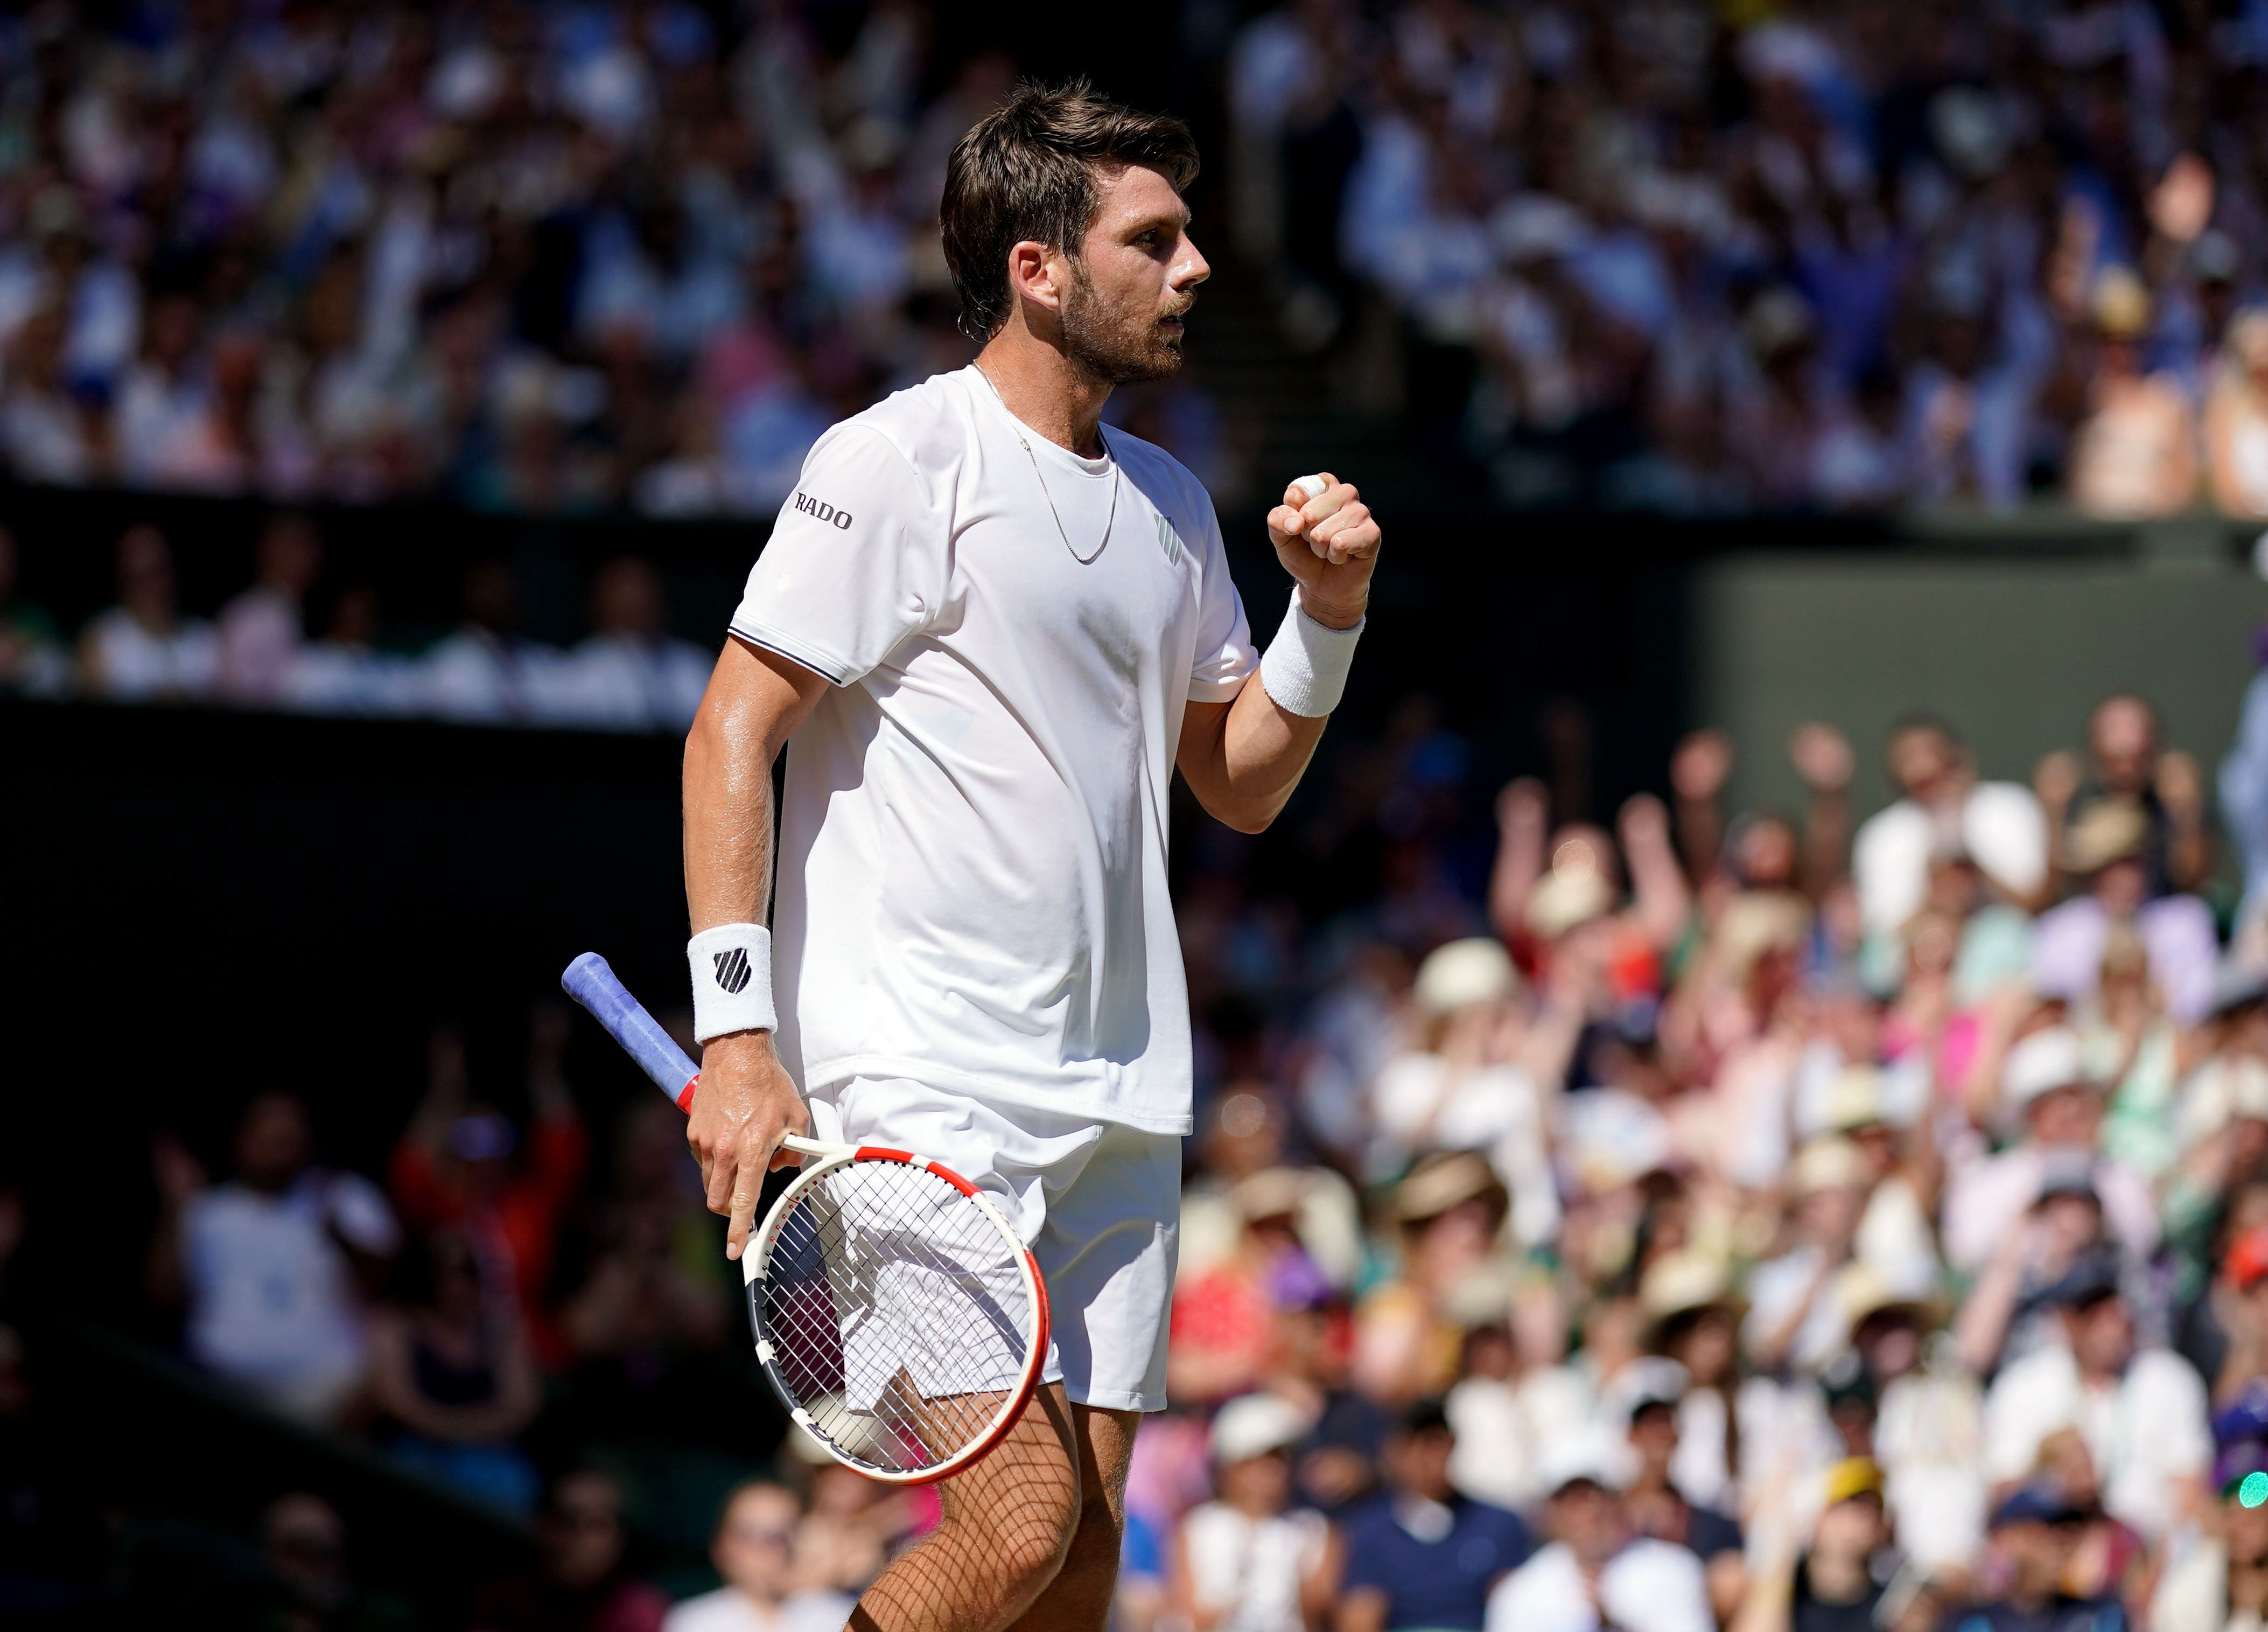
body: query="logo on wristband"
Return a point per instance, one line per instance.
(731, 970)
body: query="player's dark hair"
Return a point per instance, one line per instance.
(1028, 170)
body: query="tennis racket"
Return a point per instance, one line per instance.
(899, 1318)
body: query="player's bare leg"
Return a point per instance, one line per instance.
(1079, 1598)
(1008, 1527)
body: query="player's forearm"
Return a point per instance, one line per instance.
(1250, 759)
(728, 816)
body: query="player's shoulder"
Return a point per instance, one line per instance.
(1146, 463)
(917, 420)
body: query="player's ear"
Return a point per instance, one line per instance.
(1035, 273)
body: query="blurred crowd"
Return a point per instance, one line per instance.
(1731, 1222)
(1702, 258)
(280, 644)
(528, 257)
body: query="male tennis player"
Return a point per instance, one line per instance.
(995, 628)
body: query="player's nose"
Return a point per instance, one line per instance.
(1190, 268)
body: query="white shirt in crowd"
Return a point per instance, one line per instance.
(730, 1610)
(136, 665)
(1505, 1430)
(334, 677)
(475, 677)
(1421, 1103)
(972, 873)
(1987, 1197)
(2148, 1436)
(1999, 825)
(1649, 1586)
(1248, 1570)
(272, 1293)
(260, 631)
(622, 682)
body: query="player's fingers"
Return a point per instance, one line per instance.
(718, 1170)
(1328, 503)
(1285, 522)
(747, 1184)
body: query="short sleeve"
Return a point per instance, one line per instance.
(1224, 653)
(856, 562)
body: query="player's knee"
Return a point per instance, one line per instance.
(1034, 1554)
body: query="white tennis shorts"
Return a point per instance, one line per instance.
(1098, 1203)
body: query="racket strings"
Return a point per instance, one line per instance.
(898, 1312)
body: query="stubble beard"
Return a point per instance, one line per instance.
(1116, 347)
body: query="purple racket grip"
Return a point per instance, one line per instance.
(592, 983)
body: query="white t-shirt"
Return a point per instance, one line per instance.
(1248, 1570)
(2148, 1436)
(271, 1295)
(972, 863)
(725, 1610)
(1649, 1586)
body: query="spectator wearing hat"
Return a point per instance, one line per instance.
(2126, 761)
(2141, 1411)
(2136, 454)
(1226, 1334)
(1693, 1318)
(2220, 1582)
(2036, 1531)
(1480, 1078)
(2107, 846)
(1839, 1581)
(1450, 1209)
(1928, 1430)
(2046, 1079)
(1597, 1569)
(1797, 1317)
(1657, 1508)
(1421, 1556)
(1249, 1560)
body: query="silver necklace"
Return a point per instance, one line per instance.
(1083, 560)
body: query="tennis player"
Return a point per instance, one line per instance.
(995, 628)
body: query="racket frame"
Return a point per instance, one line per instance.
(822, 1159)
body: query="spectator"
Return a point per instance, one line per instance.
(579, 1585)
(1514, 1397)
(303, 1542)
(1657, 1508)
(629, 674)
(2140, 1410)
(1249, 1561)
(269, 1264)
(260, 629)
(2135, 455)
(143, 650)
(485, 674)
(451, 1369)
(1943, 811)
(1595, 1571)
(2036, 1531)
(1839, 1582)
(345, 672)
(2046, 1082)
(754, 1550)
(456, 1166)
(1421, 1556)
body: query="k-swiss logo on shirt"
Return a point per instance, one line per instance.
(1169, 541)
(733, 970)
(820, 510)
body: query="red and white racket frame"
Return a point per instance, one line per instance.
(822, 1159)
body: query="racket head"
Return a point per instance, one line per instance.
(897, 1314)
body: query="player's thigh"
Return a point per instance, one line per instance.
(1023, 1498)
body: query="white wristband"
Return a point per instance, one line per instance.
(1305, 668)
(731, 980)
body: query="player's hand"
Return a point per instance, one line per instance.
(745, 1106)
(1330, 546)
